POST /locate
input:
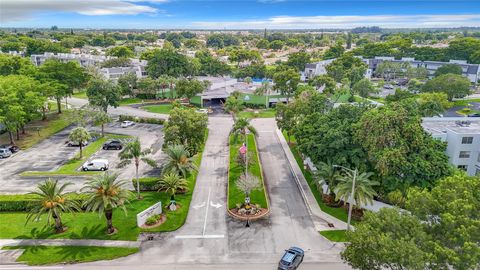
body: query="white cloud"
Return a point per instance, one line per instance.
(16, 10)
(315, 22)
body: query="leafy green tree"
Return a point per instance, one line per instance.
(463, 48)
(133, 152)
(240, 127)
(233, 105)
(186, 127)
(402, 153)
(100, 118)
(167, 62)
(104, 194)
(347, 66)
(416, 73)
(50, 199)
(298, 60)
(117, 62)
(285, 118)
(102, 93)
(263, 44)
(364, 88)
(327, 174)
(450, 215)
(276, 45)
(210, 65)
(325, 82)
(388, 239)
(432, 104)
(121, 52)
(448, 69)
(334, 51)
(81, 136)
(171, 183)
(178, 161)
(128, 83)
(65, 77)
(286, 82)
(189, 88)
(16, 65)
(455, 86)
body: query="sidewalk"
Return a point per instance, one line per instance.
(320, 218)
(68, 242)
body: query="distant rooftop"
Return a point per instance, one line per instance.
(460, 125)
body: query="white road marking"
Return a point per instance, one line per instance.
(198, 236)
(199, 205)
(216, 205)
(206, 212)
(28, 267)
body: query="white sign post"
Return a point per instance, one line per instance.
(142, 217)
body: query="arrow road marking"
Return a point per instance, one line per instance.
(216, 205)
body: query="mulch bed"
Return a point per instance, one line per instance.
(262, 212)
(162, 219)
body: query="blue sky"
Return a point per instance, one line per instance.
(247, 14)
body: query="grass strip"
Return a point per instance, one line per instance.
(335, 235)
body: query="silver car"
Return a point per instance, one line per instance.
(5, 153)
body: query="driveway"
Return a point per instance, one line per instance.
(52, 152)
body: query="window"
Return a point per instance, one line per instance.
(477, 172)
(464, 154)
(463, 167)
(467, 140)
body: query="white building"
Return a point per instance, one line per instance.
(315, 69)
(463, 140)
(116, 72)
(83, 59)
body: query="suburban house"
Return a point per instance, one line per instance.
(462, 136)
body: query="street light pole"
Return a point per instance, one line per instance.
(352, 196)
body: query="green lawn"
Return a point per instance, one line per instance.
(339, 213)
(196, 100)
(38, 130)
(80, 94)
(45, 255)
(129, 101)
(335, 235)
(465, 102)
(160, 108)
(268, 113)
(71, 166)
(234, 195)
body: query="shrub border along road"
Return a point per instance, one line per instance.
(47, 255)
(261, 176)
(71, 166)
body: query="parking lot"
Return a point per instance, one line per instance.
(53, 152)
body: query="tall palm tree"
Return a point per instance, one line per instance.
(179, 161)
(364, 191)
(171, 183)
(104, 194)
(81, 136)
(240, 126)
(133, 152)
(51, 200)
(326, 174)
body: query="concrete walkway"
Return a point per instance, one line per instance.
(68, 242)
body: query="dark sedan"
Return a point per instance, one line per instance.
(292, 258)
(113, 144)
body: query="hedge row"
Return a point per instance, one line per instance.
(146, 184)
(24, 202)
(157, 121)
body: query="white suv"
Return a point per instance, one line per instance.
(4, 153)
(95, 165)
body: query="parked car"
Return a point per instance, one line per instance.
(127, 124)
(113, 144)
(11, 147)
(76, 144)
(474, 115)
(388, 86)
(4, 153)
(95, 165)
(292, 258)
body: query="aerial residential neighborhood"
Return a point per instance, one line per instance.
(240, 135)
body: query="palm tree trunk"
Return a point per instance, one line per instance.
(58, 223)
(138, 182)
(108, 216)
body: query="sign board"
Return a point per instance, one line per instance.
(142, 217)
(247, 97)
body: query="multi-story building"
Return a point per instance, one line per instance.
(83, 59)
(462, 136)
(116, 72)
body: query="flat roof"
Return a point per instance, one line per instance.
(459, 125)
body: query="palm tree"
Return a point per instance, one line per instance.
(364, 191)
(100, 118)
(241, 126)
(326, 174)
(247, 183)
(171, 183)
(133, 151)
(179, 160)
(51, 200)
(233, 105)
(81, 136)
(104, 194)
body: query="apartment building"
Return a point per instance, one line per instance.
(116, 72)
(462, 136)
(83, 59)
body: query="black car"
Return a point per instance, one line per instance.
(76, 144)
(11, 147)
(113, 144)
(474, 115)
(292, 258)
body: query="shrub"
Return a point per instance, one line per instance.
(152, 220)
(156, 121)
(146, 183)
(23, 202)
